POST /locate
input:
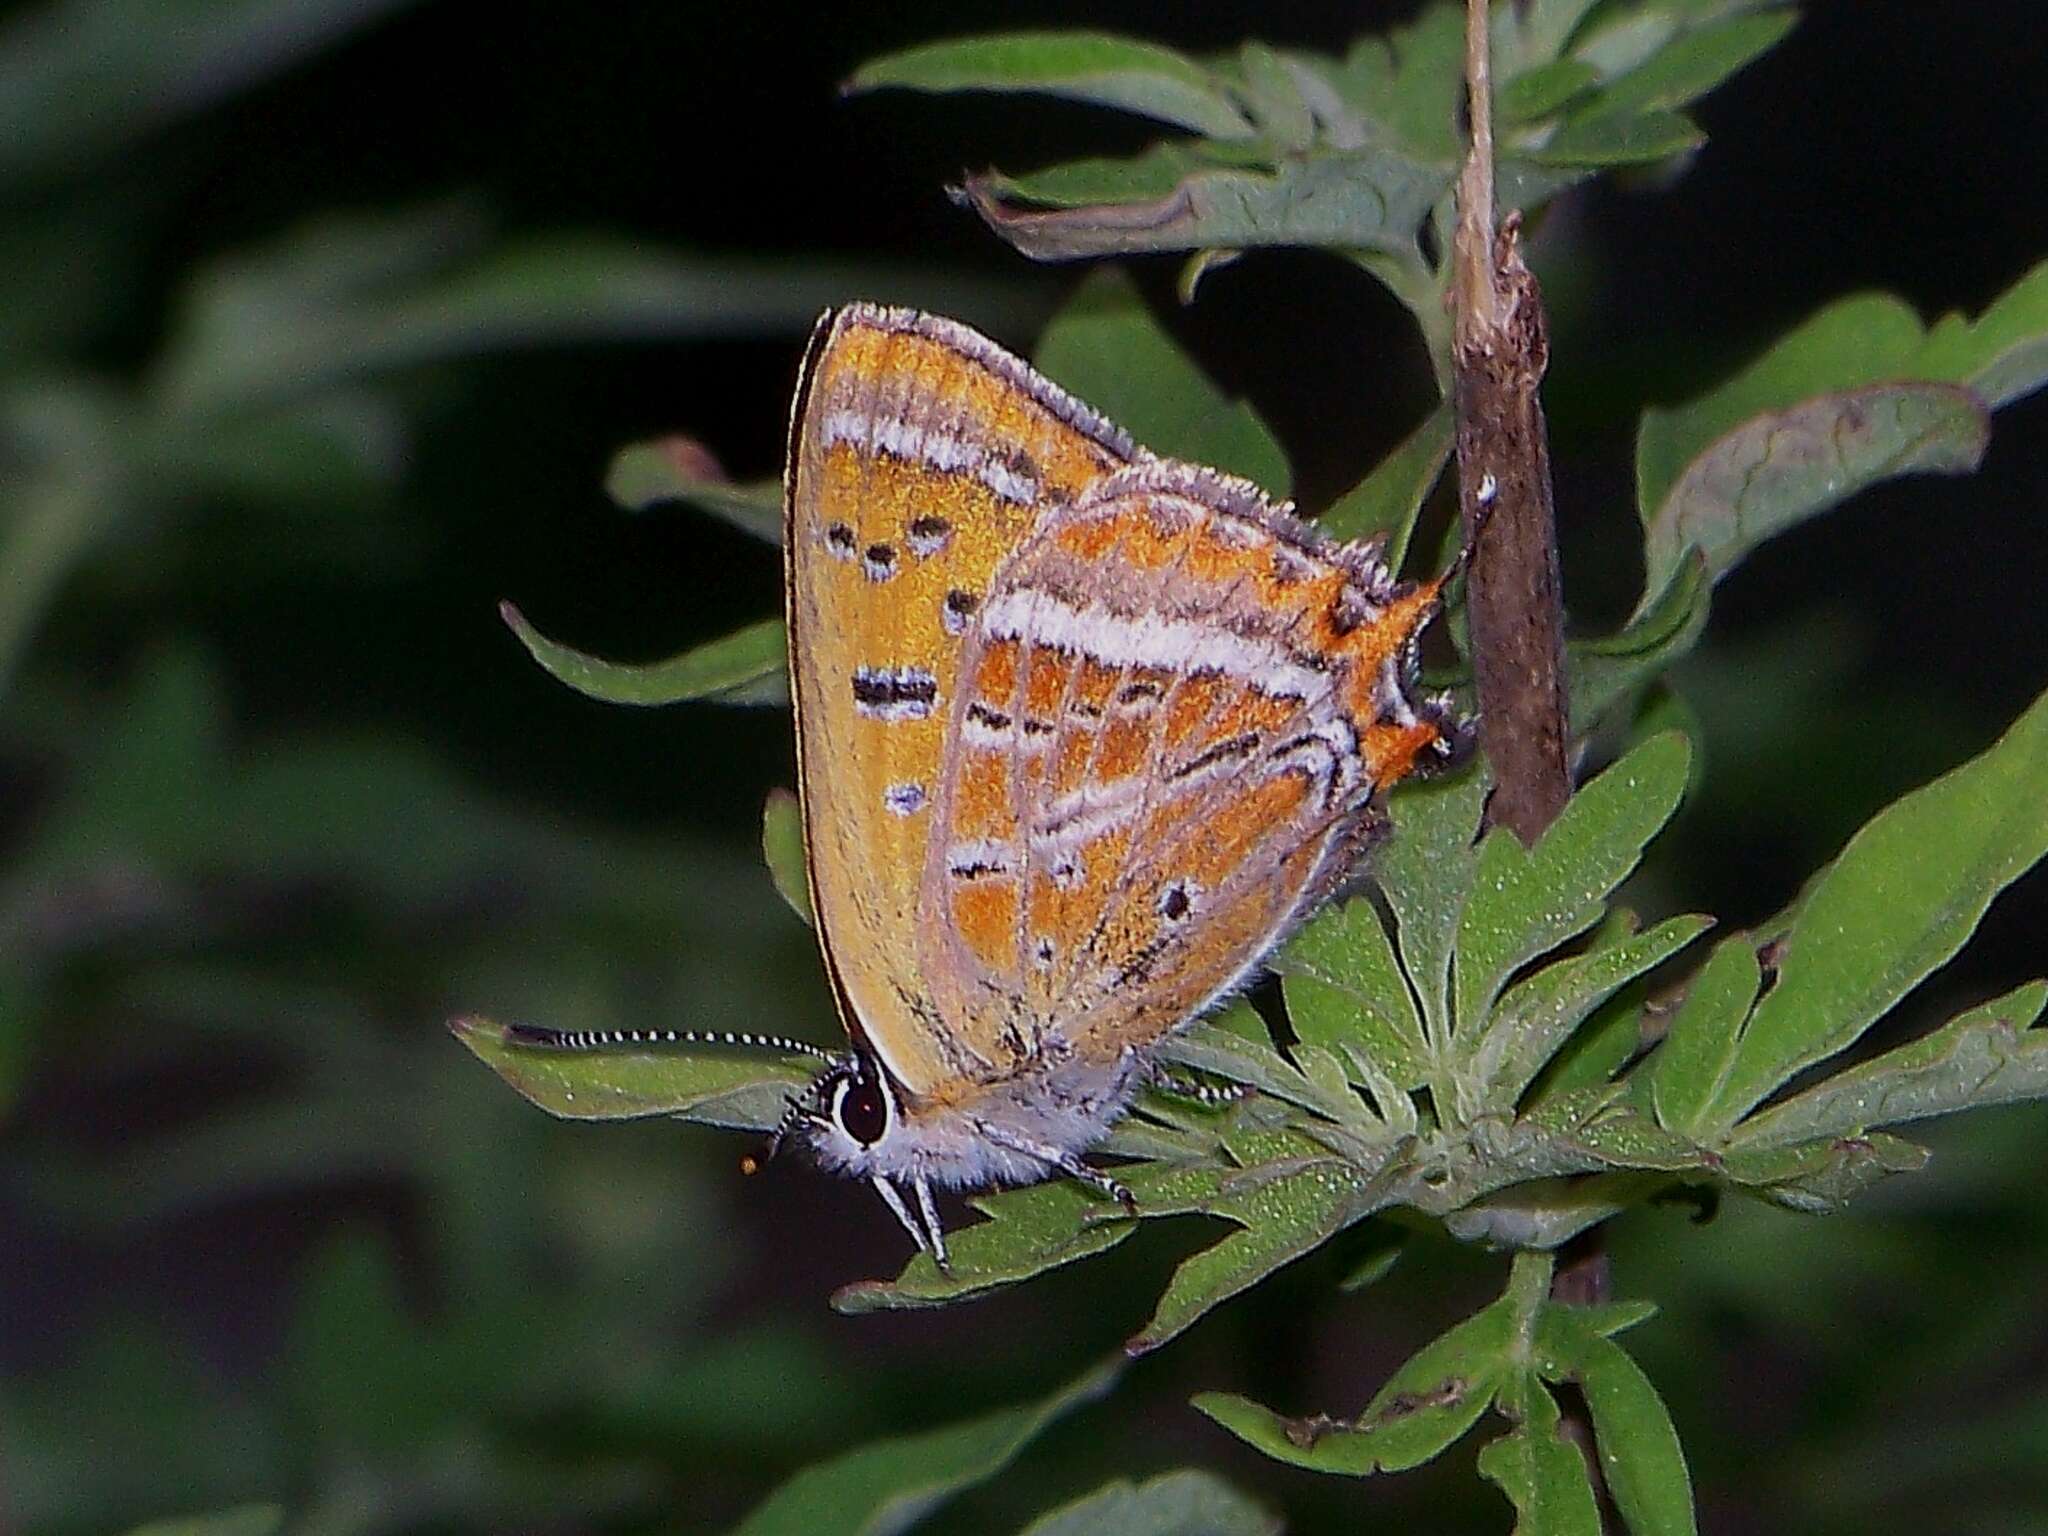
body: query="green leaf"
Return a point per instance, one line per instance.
(742, 1092)
(1285, 1217)
(1184, 1503)
(1344, 988)
(1105, 346)
(1857, 393)
(1207, 1048)
(1699, 1047)
(1695, 62)
(889, 1485)
(677, 468)
(244, 1520)
(1389, 500)
(1540, 92)
(1029, 1231)
(1426, 869)
(1820, 1177)
(1610, 671)
(1153, 173)
(1640, 1456)
(1426, 1407)
(1344, 984)
(1903, 897)
(1093, 67)
(1537, 1015)
(1989, 1055)
(1371, 199)
(1526, 901)
(1272, 95)
(1540, 1471)
(782, 846)
(748, 666)
(2003, 354)
(1781, 467)
(1618, 138)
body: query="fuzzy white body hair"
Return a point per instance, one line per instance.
(1000, 1138)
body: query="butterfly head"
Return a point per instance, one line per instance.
(848, 1115)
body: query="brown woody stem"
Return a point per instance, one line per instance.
(1514, 610)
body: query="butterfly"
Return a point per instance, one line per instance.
(1083, 733)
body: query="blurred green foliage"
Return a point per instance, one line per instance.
(284, 798)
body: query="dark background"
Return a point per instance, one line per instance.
(266, 1233)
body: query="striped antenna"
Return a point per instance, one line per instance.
(794, 1115)
(612, 1039)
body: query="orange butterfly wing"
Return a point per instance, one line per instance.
(1177, 705)
(921, 456)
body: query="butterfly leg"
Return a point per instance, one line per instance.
(927, 1242)
(930, 1211)
(1065, 1162)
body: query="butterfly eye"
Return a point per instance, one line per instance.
(861, 1111)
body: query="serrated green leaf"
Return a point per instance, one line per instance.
(1285, 1217)
(1699, 1047)
(1343, 986)
(748, 666)
(782, 847)
(1609, 671)
(1184, 1503)
(1610, 1035)
(1389, 500)
(1105, 346)
(1640, 1455)
(1903, 897)
(1095, 67)
(666, 469)
(244, 1520)
(1540, 1471)
(741, 1092)
(1409, 81)
(1526, 901)
(1695, 62)
(889, 1485)
(1426, 869)
(1989, 1055)
(1028, 1231)
(1427, 1406)
(1538, 1014)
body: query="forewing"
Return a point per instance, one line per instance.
(921, 455)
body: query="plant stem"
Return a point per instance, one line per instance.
(1513, 603)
